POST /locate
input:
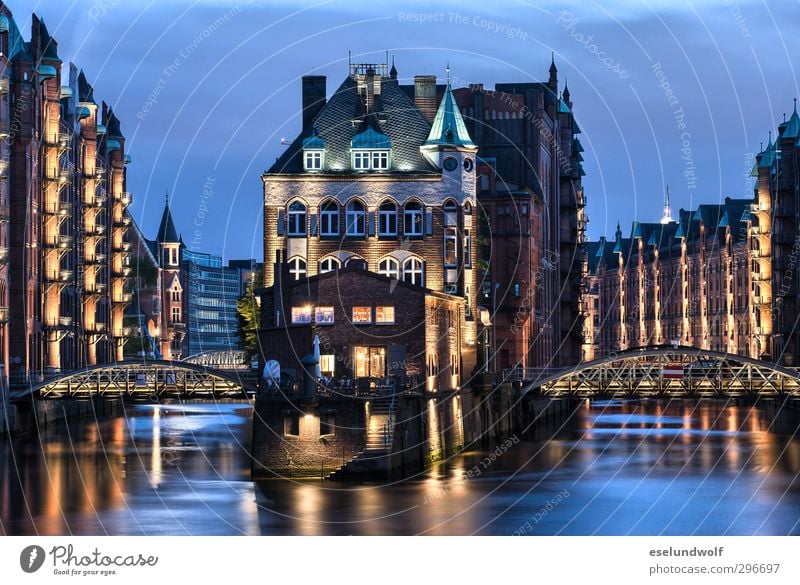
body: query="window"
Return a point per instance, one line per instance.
(291, 424)
(467, 249)
(173, 256)
(389, 267)
(297, 268)
(176, 314)
(387, 219)
(327, 423)
(297, 219)
(176, 296)
(412, 217)
(364, 160)
(323, 315)
(517, 290)
(301, 315)
(384, 315)
(329, 219)
(356, 219)
(370, 362)
(313, 160)
(450, 214)
(327, 365)
(362, 315)
(450, 251)
(413, 272)
(329, 265)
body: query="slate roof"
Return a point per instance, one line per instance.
(167, 234)
(344, 116)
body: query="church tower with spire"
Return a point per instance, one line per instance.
(170, 245)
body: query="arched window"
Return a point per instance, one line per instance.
(413, 272)
(356, 218)
(389, 267)
(450, 213)
(297, 219)
(387, 219)
(329, 219)
(412, 219)
(467, 208)
(329, 265)
(297, 268)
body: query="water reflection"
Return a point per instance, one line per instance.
(616, 467)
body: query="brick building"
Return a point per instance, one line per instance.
(720, 277)
(63, 221)
(383, 179)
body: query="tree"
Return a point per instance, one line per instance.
(249, 316)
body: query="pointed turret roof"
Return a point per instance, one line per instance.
(167, 234)
(448, 125)
(393, 70)
(85, 90)
(792, 128)
(114, 130)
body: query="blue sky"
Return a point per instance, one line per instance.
(227, 93)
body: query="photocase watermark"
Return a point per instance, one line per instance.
(741, 21)
(457, 18)
(180, 59)
(569, 23)
(679, 115)
(553, 503)
(101, 8)
(476, 470)
(202, 212)
(66, 562)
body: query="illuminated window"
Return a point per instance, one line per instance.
(313, 160)
(370, 362)
(329, 265)
(389, 267)
(361, 160)
(364, 160)
(413, 272)
(362, 315)
(176, 314)
(301, 315)
(297, 219)
(450, 252)
(323, 315)
(412, 219)
(384, 315)
(356, 218)
(327, 365)
(387, 219)
(297, 268)
(329, 219)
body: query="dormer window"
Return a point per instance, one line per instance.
(313, 160)
(313, 153)
(370, 151)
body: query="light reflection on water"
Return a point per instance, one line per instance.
(615, 467)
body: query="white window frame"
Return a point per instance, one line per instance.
(451, 239)
(409, 215)
(313, 160)
(297, 268)
(385, 219)
(324, 315)
(351, 227)
(415, 269)
(389, 267)
(298, 220)
(327, 217)
(365, 159)
(329, 264)
(379, 160)
(382, 319)
(361, 159)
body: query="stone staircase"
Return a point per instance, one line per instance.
(379, 440)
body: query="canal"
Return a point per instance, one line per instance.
(612, 468)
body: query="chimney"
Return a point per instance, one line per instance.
(314, 96)
(425, 95)
(370, 89)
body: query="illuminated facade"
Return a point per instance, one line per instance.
(382, 179)
(721, 277)
(63, 220)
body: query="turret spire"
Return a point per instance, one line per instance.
(667, 217)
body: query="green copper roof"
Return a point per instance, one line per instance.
(314, 142)
(792, 129)
(82, 112)
(448, 125)
(46, 72)
(369, 138)
(637, 230)
(680, 234)
(724, 221)
(563, 108)
(768, 156)
(4, 25)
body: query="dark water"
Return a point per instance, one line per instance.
(612, 468)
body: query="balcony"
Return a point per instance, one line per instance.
(4, 86)
(96, 260)
(59, 208)
(123, 298)
(59, 176)
(123, 247)
(122, 223)
(5, 212)
(60, 140)
(124, 273)
(3, 255)
(60, 241)
(5, 129)
(65, 322)
(96, 231)
(58, 277)
(96, 202)
(97, 328)
(95, 288)
(126, 198)
(3, 314)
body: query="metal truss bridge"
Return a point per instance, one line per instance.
(151, 379)
(663, 372)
